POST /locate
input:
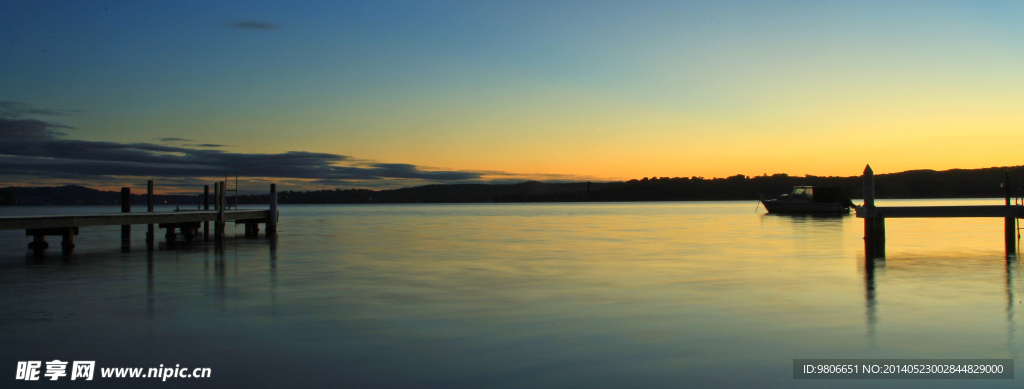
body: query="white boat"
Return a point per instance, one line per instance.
(810, 199)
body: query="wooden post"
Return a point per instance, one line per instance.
(126, 207)
(252, 230)
(206, 207)
(272, 220)
(151, 231)
(216, 206)
(878, 249)
(1009, 227)
(38, 242)
(68, 241)
(874, 224)
(221, 223)
(869, 187)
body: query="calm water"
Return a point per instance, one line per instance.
(684, 294)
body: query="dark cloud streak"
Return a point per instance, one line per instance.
(15, 110)
(38, 150)
(13, 130)
(253, 25)
(33, 148)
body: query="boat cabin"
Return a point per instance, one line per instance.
(815, 194)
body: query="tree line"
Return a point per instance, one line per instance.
(955, 183)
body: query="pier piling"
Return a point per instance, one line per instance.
(126, 207)
(874, 224)
(38, 242)
(39, 237)
(216, 207)
(1009, 225)
(206, 207)
(151, 231)
(221, 223)
(272, 219)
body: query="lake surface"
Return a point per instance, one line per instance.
(661, 294)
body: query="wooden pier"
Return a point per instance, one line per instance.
(874, 217)
(187, 223)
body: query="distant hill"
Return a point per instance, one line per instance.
(80, 195)
(956, 183)
(531, 191)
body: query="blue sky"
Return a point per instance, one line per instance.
(507, 91)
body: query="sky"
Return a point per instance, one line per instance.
(372, 94)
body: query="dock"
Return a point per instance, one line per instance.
(188, 223)
(874, 217)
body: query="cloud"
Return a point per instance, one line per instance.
(40, 156)
(36, 151)
(15, 110)
(14, 126)
(28, 129)
(253, 25)
(182, 141)
(35, 148)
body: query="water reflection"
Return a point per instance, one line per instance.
(273, 274)
(871, 267)
(150, 286)
(513, 295)
(809, 216)
(1011, 328)
(809, 223)
(219, 273)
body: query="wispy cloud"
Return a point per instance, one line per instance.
(35, 151)
(15, 110)
(14, 130)
(16, 126)
(33, 147)
(253, 25)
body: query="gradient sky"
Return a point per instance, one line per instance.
(386, 94)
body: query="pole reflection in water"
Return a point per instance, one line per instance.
(150, 288)
(218, 272)
(871, 265)
(273, 275)
(1011, 263)
(68, 254)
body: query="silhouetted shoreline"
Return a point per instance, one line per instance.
(955, 183)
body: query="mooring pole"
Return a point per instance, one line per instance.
(272, 220)
(874, 224)
(206, 207)
(126, 207)
(1009, 227)
(216, 206)
(151, 231)
(221, 223)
